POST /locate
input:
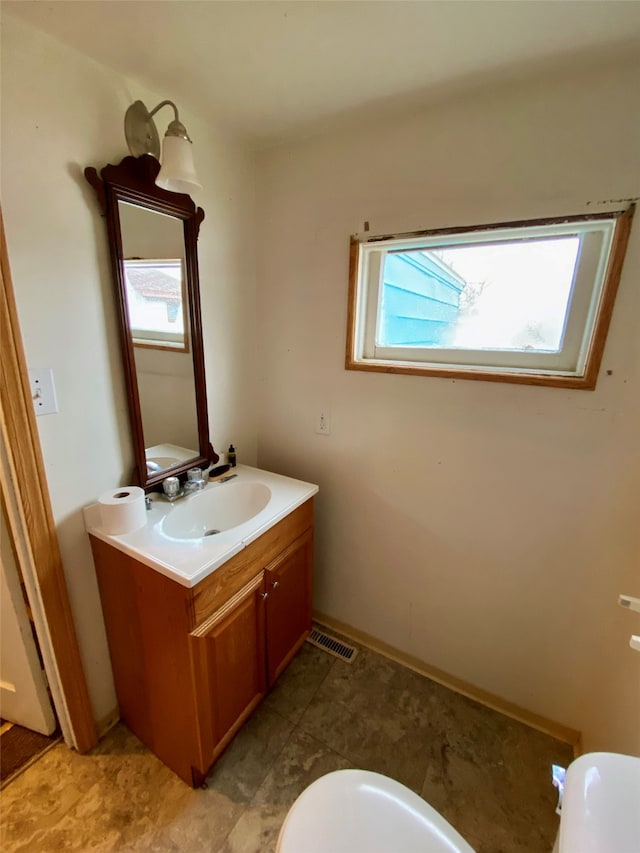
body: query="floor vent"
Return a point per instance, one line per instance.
(330, 644)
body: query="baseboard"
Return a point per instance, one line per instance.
(490, 700)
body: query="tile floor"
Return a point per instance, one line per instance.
(488, 775)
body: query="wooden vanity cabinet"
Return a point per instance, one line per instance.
(191, 664)
(288, 588)
(230, 680)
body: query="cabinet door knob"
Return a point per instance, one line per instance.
(275, 584)
(264, 595)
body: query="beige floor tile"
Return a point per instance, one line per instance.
(299, 683)
(133, 802)
(374, 713)
(243, 766)
(488, 775)
(303, 760)
(193, 821)
(257, 830)
(37, 800)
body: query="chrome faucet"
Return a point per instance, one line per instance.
(195, 483)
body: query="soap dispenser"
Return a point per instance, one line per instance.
(231, 456)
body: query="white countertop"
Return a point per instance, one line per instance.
(188, 561)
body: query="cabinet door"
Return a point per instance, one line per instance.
(228, 659)
(288, 584)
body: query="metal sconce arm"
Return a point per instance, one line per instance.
(141, 132)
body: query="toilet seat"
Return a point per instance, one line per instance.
(356, 811)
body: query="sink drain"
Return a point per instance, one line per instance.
(211, 532)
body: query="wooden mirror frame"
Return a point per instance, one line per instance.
(133, 181)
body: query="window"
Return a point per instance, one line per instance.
(525, 302)
(156, 303)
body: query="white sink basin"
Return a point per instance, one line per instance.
(173, 541)
(163, 461)
(601, 805)
(218, 508)
(159, 463)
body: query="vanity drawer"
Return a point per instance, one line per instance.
(215, 590)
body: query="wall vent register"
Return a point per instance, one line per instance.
(330, 644)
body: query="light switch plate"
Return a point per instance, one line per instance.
(43, 391)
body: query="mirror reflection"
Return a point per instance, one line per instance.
(153, 254)
(155, 302)
(153, 244)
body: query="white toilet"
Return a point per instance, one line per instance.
(355, 811)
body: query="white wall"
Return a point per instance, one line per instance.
(484, 528)
(60, 113)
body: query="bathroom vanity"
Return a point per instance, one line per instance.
(200, 627)
(207, 602)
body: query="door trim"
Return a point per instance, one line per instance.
(30, 517)
(23, 687)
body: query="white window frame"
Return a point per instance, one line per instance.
(603, 240)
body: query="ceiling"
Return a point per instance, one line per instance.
(268, 70)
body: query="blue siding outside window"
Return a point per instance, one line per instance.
(420, 301)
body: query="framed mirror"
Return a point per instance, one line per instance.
(153, 243)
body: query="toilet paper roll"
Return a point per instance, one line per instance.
(122, 510)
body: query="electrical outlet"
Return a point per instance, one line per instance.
(323, 423)
(43, 391)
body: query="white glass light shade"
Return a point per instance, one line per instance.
(177, 172)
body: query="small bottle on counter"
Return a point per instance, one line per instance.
(231, 456)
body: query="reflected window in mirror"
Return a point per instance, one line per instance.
(156, 302)
(153, 260)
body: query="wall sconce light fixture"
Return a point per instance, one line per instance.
(177, 172)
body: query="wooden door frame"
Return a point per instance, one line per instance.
(30, 516)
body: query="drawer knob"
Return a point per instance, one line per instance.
(264, 595)
(275, 584)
